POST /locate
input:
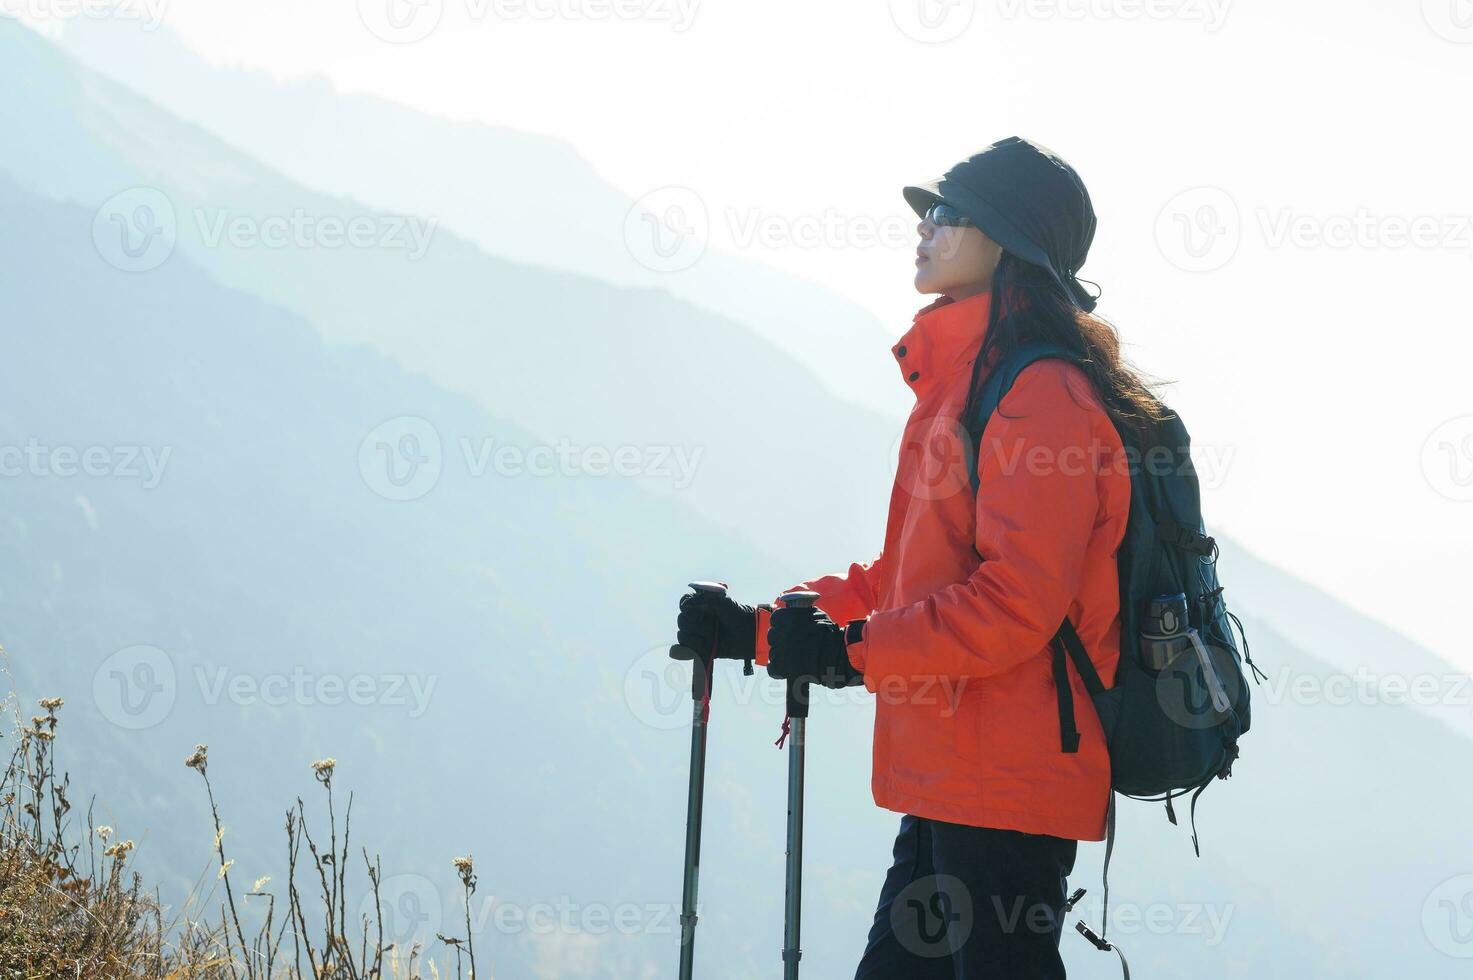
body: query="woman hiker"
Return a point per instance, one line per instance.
(950, 625)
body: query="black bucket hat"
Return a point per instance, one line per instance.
(1027, 199)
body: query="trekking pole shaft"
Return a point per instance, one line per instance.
(793, 903)
(701, 716)
(797, 752)
(702, 672)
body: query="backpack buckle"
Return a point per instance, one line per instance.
(1094, 940)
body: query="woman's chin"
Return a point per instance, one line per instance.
(925, 284)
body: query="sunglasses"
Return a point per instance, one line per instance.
(943, 215)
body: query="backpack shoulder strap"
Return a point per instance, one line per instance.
(998, 382)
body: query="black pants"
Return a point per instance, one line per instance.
(970, 903)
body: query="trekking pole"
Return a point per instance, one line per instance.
(700, 693)
(798, 715)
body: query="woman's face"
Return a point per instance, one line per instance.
(956, 261)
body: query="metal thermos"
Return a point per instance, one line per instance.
(1164, 630)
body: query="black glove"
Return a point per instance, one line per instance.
(707, 617)
(804, 642)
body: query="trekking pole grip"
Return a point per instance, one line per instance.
(798, 686)
(700, 675)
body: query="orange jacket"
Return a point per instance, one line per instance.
(956, 648)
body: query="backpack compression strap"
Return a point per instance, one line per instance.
(999, 380)
(1068, 646)
(1066, 643)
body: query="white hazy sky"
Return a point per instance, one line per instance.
(1258, 168)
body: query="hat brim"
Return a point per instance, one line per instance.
(921, 196)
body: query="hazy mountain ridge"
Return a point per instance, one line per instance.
(265, 548)
(530, 603)
(526, 197)
(621, 367)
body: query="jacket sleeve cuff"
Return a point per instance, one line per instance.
(868, 655)
(764, 619)
(854, 643)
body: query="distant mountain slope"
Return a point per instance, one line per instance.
(535, 612)
(1374, 655)
(493, 619)
(624, 369)
(529, 198)
(663, 375)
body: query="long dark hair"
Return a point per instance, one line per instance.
(1028, 306)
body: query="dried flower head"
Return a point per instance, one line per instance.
(466, 868)
(323, 768)
(119, 850)
(199, 758)
(225, 868)
(104, 832)
(260, 883)
(51, 704)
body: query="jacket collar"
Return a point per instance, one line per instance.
(944, 338)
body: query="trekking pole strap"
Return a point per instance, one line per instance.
(1103, 946)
